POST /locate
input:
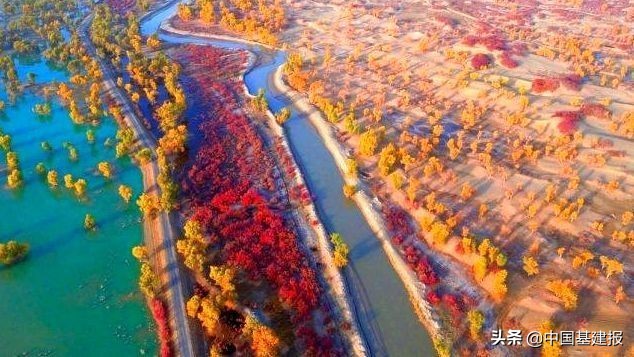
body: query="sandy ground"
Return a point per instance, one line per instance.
(411, 60)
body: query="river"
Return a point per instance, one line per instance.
(385, 313)
(76, 293)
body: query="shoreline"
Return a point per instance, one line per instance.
(363, 201)
(316, 233)
(422, 308)
(361, 198)
(158, 232)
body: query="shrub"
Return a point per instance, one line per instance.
(595, 110)
(507, 61)
(541, 85)
(159, 313)
(568, 122)
(480, 61)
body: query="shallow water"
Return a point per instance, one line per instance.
(385, 312)
(76, 294)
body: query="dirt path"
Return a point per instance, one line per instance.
(159, 233)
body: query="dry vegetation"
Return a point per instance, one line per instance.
(504, 129)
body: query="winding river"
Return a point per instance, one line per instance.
(387, 319)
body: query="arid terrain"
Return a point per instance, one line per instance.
(502, 129)
(317, 178)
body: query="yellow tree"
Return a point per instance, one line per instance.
(550, 348)
(125, 192)
(351, 167)
(499, 284)
(349, 190)
(564, 290)
(264, 341)
(619, 295)
(148, 281)
(466, 191)
(140, 253)
(80, 187)
(369, 141)
(387, 159)
(193, 305)
(610, 266)
(68, 181)
(209, 316)
(89, 222)
(149, 204)
(207, 14)
(582, 258)
(439, 232)
(14, 179)
(224, 277)
(530, 265)
(476, 321)
(105, 169)
(480, 268)
(184, 12)
(51, 178)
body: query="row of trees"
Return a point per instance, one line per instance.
(258, 22)
(14, 177)
(149, 284)
(115, 39)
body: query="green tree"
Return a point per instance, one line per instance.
(341, 251)
(90, 136)
(476, 321)
(40, 168)
(5, 142)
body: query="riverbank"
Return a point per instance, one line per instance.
(72, 277)
(159, 234)
(415, 289)
(316, 232)
(309, 224)
(364, 202)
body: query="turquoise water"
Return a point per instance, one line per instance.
(76, 294)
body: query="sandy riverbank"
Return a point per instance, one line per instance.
(311, 232)
(415, 289)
